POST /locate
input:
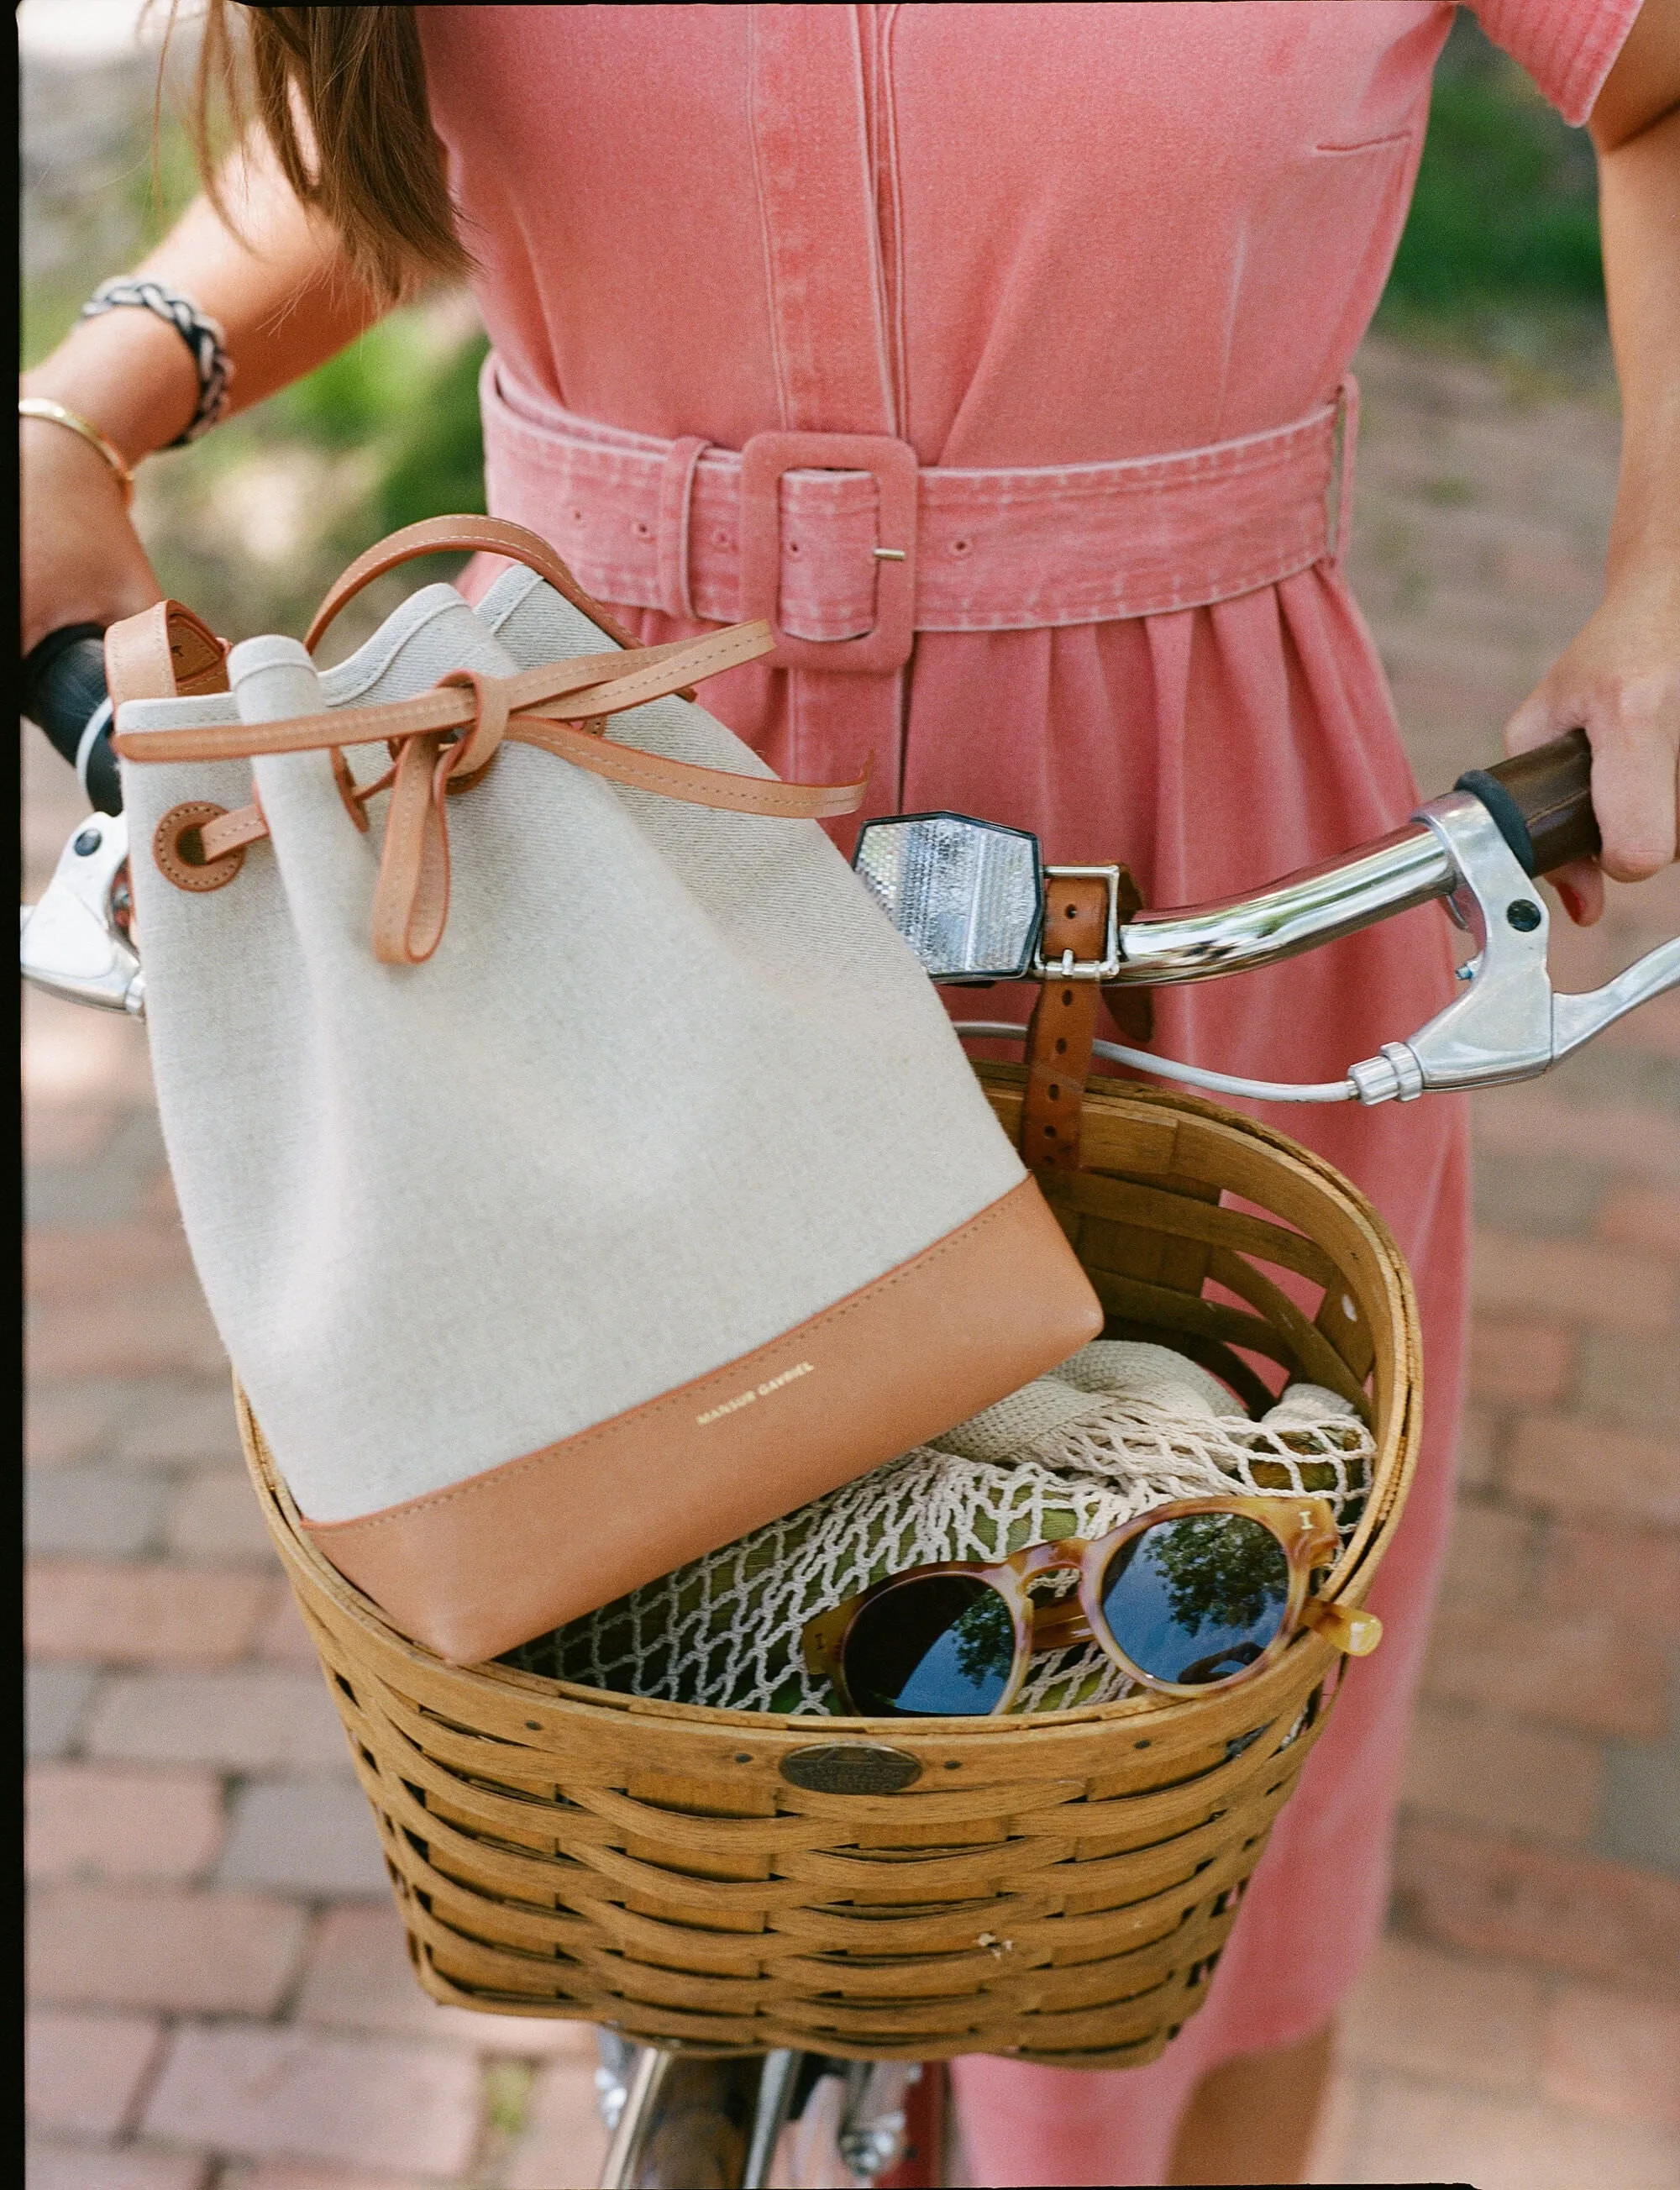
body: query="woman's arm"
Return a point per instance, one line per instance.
(1620, 675)
(286, 299)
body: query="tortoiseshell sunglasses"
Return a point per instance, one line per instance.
(1187, 1598)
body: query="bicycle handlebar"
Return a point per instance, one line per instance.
(1478, 847)
(62, 687)
(1542, 802)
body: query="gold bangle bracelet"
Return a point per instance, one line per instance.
(39, 407)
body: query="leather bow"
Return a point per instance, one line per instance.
(444, 740)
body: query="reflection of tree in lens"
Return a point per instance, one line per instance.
(1219, 1569)
(985, 1639)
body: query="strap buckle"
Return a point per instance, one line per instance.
(1068, 967)
(893, 466)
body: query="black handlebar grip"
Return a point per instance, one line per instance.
(1543, 801)
(63, 689)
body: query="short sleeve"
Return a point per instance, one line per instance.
(1569, 47)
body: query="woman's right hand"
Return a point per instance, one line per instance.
(82, 558)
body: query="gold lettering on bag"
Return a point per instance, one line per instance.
(759, 1392)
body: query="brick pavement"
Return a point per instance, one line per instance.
(223, 1998)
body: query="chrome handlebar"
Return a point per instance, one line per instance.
(945, 893)
(1507, 1025)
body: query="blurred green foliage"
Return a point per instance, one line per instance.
(1501, 244)
(412, 412)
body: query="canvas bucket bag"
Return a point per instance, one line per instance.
(580, 1169)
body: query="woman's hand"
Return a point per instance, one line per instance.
(286, 298)
(1619, 681)
(82, 558)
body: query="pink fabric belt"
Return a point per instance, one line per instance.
(849, 547)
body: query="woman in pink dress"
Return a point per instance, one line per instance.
(1055, 304)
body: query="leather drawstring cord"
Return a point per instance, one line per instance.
(441, 739)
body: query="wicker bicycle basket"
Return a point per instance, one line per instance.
(1055, 1887)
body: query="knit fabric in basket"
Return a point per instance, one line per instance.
(1121, 1428)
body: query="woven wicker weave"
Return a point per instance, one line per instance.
(1055, 1888)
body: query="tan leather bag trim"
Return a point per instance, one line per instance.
(161, 654)
(482, 535)
(471, 1570)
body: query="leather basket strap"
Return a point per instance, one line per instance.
(1064, 1023)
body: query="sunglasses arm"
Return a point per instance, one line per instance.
(1355, 1634)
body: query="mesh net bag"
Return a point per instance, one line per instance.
(1121, 1428)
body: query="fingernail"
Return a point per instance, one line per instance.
(1574, 904)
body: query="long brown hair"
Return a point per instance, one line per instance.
(340, 95)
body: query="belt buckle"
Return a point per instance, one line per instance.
(893, 466)
(1068, 967)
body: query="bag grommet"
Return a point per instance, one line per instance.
(174, 845)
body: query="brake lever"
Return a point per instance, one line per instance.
(73, 944)
(1509, 1025)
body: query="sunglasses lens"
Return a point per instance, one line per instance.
(1195, 1600)
(939, 1647)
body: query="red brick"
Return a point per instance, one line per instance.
(1479, 1438)
(1630, 1381)
(52, 2166)
(1585, 1673)
(1484, 1771)
(182, 1424)
(1611, 2054)
(66, 1423)
(1434, 2014)
(1331, 2157)
(118, 1614)
(89, 1820)
(112, 1946)
(565, 2137)
(1612, 1570)
(284, 1640)
(1577, 1914)
(166, 1329)
(1594, 1472)
(1489, 1555)
(1593, 1285)
(309, 2175)
(217, 1518)
(72, 1054)
(256, 1718)
(358, 1977)
(83, 2073)
(362, 2103)
(1512, 1358)
(1654, 1031)
(77, 1264)
(68, 1133)
(1624, 1138)
(1643, 1217)
(1419, 2132)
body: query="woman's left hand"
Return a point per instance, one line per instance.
(1619, 681)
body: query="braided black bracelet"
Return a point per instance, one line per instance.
(203, 336)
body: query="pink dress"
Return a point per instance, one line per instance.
(1043, 236)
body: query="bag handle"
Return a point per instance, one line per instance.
(485, 535)
(441, 740)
